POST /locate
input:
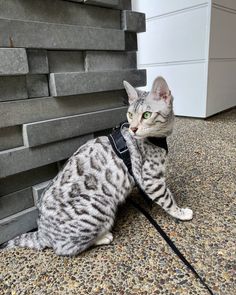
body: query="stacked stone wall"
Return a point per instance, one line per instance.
(62, 64)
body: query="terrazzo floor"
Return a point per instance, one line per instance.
(202, 175)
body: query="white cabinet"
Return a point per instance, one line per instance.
(192, 44)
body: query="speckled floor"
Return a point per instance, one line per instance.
(202, 175)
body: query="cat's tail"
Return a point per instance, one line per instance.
(28, 240)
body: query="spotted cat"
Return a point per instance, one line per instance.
(78, 208)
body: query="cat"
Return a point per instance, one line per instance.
(78, 208)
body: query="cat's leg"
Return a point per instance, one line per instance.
(171, 207)
(104, 239)
(163, 197)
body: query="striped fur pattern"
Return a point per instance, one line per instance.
(78, 208)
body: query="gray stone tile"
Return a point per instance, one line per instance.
(26, 179)
(13, 88)
(38, 61)
(65, 61)
(133, 21)
(131, 43)
(16, 202)
(56, 36)
(13, 61)
(60, 12)
(39, 133)
(37, 85)
(115, 4)
(108, 60)
(18, 223)
(62, 84)
(27, 158)
(25, 111)
(125, 4)
(106, 3)
(10, 137)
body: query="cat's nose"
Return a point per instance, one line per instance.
(134, 129)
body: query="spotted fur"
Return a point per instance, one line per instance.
(78, 207)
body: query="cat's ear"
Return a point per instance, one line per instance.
(132, 93)
(160, 90)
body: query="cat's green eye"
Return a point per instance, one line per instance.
(130, 115)
(147, 115)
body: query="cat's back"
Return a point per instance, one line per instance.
(94, 168)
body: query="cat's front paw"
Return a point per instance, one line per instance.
(185, 214)
(182, 214)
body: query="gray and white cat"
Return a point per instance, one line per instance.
(78, 208)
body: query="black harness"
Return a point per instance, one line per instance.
(119, 145)
(120, 148)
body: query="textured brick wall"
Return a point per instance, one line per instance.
(62, 64)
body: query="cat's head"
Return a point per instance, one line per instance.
(150, 114)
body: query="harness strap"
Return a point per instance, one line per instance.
(119, 146)
(118, 143)
(171, 244)
(159, 141)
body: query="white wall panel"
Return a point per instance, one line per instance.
(221, 86)
(223, 41)
(172, 38)
(191, 43)
(158, 7)
(188, 85)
